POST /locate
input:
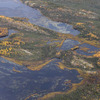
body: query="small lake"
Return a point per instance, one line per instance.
(90, 49)
(14, 8)
(18, 86)
(68, 44)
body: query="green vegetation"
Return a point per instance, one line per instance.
(72, 12)
(29, 44)
(84, 15)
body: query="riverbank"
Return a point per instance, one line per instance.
(57, 12)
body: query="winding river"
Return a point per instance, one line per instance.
(23, 83)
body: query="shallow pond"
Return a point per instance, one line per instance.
(18, 86)
(14, 8)
(90, 49)
(68, 44)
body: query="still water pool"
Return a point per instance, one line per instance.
(14, 8)
(19, 85)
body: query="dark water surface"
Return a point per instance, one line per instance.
(17, 86)
(14, 8)
(68, 44)
(91, 49)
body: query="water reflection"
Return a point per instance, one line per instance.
(14, 8)
(68, 44)
(17, 86)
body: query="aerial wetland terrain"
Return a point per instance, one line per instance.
(49, 50)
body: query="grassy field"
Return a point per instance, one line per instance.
(84, 15)
(88, 91)
(72, 12)
(29, 44)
